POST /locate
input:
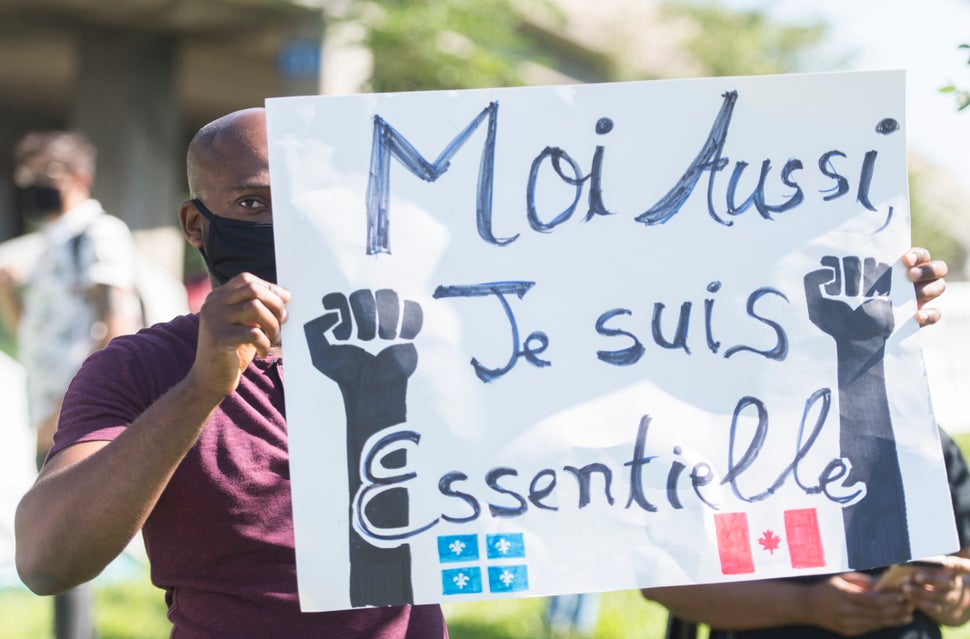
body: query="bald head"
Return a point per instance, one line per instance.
(221, 143)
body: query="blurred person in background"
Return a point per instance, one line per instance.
(572, 615)
(852, 604)
(76, 297)
(16, 460)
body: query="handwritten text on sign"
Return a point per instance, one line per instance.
(599, 337)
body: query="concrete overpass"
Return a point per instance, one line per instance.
(139, 77)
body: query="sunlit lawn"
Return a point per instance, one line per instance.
(134, 609)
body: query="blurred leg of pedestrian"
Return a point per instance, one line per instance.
(74, 609)
(573, 615)
(73, 618)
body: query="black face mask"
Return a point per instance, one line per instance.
(36, 202)
(237, 246)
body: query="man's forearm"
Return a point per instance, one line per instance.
(10, 309)
(114, 318)
(93, 497)
(746, 605)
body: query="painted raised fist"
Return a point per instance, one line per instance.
(849, 298)
(378, 315)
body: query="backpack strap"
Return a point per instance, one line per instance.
(75, 246)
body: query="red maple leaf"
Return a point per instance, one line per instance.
(769, 541)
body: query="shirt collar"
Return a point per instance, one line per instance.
(73, 222)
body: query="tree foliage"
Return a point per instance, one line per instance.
(962, 96)
(744, 42)
(460, 44)
(444, 44)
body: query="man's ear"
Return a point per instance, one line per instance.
(192, 224)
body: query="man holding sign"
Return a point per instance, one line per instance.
(180, 430)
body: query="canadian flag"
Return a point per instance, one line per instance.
(800, 537)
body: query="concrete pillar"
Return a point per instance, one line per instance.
(126, 102)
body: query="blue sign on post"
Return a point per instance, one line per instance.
(300, 59)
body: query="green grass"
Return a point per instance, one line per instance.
(134, 609)
(622, 614)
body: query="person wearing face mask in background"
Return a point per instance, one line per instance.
(77, 295)
(179, 431)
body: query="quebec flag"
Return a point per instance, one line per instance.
(503, 575)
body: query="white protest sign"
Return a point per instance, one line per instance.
(600, 337)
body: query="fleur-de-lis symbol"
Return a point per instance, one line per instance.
(461, 580)
(457, 546)
(503, 545)
(507, 577)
